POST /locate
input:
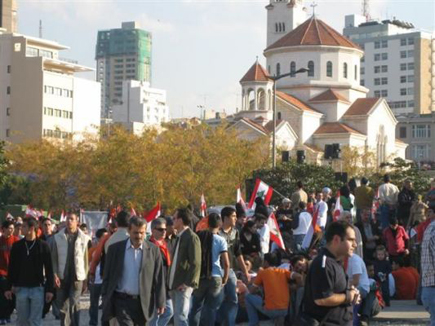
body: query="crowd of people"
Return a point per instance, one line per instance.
(226, 268)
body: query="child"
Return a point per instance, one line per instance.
(382, 271)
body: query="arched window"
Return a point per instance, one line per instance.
(279, 116)
(276, 27)
(278, 69)
(345, 70)
(356, 72)
(329, 69)
(283, 27)
(292, 68)
(310, 68)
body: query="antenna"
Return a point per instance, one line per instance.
(366, 9)
(314, 5)
(40, 28)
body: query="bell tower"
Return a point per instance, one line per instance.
(283, 16)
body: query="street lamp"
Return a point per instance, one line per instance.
(275, 79)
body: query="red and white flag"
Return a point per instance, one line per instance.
(309, 236)
(275, 233)
(375, 203)
(338, 209)
(31, 212)
(62, 217)
(239, 199)
(152, 215)
(261, 190)
(9, 216)
(203, 209)
(132, 211)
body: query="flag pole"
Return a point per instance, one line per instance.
(279, 194)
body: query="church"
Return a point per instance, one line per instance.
(322, 106)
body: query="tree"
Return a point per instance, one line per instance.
(358, 161)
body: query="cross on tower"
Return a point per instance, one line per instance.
(314, 5)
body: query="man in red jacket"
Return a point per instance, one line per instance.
(6, 241)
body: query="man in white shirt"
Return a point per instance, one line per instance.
(264, 232)
(322, 208)
(302, 224)
(388, 195)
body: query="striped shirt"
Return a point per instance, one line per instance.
(428, 257)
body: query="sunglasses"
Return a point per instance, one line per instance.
(160, 229)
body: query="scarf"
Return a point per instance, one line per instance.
(163, 248)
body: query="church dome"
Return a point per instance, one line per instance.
(313, 32)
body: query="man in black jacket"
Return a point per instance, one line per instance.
(30, 260)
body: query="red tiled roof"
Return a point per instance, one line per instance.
(362, 106)
(269, 125)
(335, 128)
(313, 32)
(295, 101)
(329, 95)
(256, 73)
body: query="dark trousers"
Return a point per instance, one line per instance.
(6, 306)
(128, 311)
(68, 298)
(95, 292)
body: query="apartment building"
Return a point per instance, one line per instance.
(122, 54)
(8, 15)
(398, 65)
(41, 94)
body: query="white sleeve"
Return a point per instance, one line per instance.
(391, 285)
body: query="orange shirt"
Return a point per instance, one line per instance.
(414, 273)
(275, 283)
(96, 253)
(406, 286)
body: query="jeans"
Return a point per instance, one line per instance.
(254, 303)
(386, 212)
(30, 302)
(181, 302)
(428, 298)
(68, 299)
(163, 320)
(228, 310)
(205, 302)
(95, 293)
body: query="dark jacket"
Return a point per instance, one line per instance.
(152, 281)
(375, 230)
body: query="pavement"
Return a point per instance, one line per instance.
(403, 313)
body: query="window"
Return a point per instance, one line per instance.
(329, 69)
(402, 132)
(403, 91)
(283, 27)
(363, 59)
(356, 72)
(384, 68)
(384, 43)
(31, 52)
(411, 91)
(9, 69)
(377, 93)
(384, 81)
(411, 66)
(362, 82)
(402, 79)
(402, 66)
(8, 90)
(278, 69)
(8, 111)
(279, 115)
(403, 41)
(410, 53)
(420, 152)
(411, 104)
(276, 27)
(421, 131)
(384, 93)
(402, 54)
(384, 56)
(292, 69)
(377, 69)
(310, 68)
(377, 57)
(411, 41)
(410, 78)
(377, 45)
(377, 81)
(362, 71)
(345, 70)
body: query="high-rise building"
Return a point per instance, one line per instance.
(398, 65)
(41, 95)
(8, 15)
(121, 54)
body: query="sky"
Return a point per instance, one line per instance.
(201, 48)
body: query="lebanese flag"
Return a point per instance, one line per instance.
(261, 190)
(31, 212)
(152, 215)
(203, 209)
(132, 211)
(239, 199)
(275, 233)
(313, 228)
(338, 209)
(62, 217)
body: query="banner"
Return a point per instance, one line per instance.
(94, 220)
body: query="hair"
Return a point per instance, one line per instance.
(387, 178)
(345, 191)
(260, 217)
(46, 219)
(273, 258)
(227, 212)
(137, 222)
(31, 222)
(157, 222)
(7, 223)
(392, 220)
(100, 233)
(122, 219)
(294, 260)
(381, 248)
(185, 214)
(240, 211)
(249, 224)
(302, 205)
(214, 220)
(169, 221)
(83, 225)
(364, 181)
(337, 228)
(369, 263)
(398, 260)
(300, 184)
